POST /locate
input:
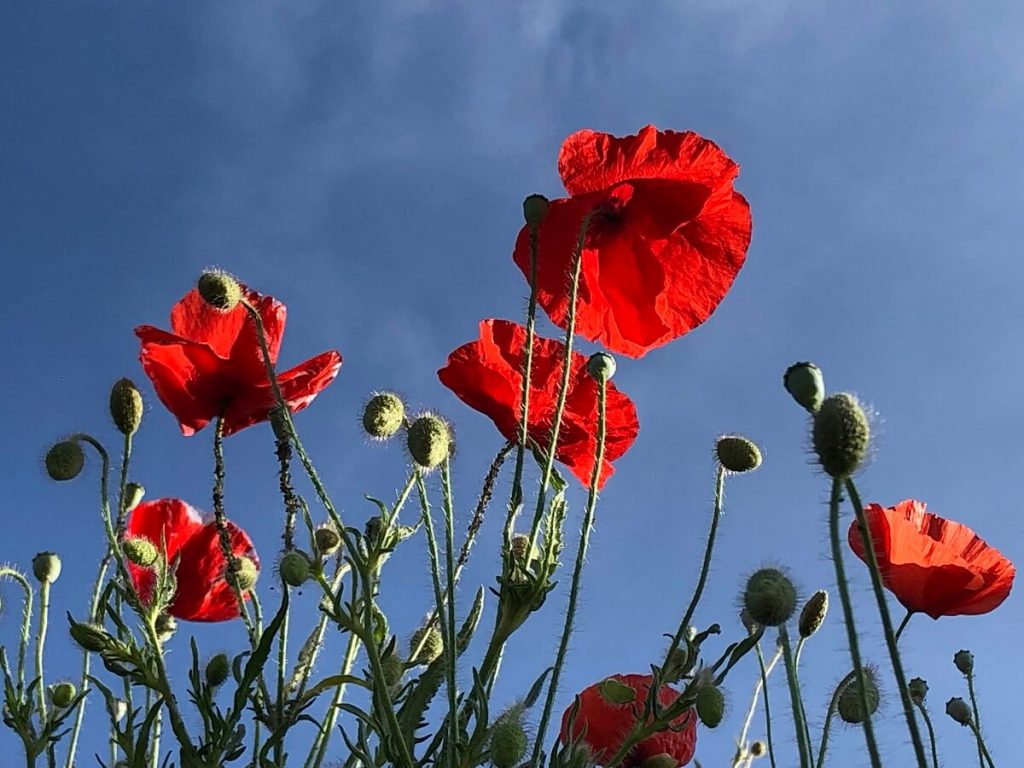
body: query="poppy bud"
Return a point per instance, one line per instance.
(217, 670)
(601, 366)
(165, 627)
(615, 692)
(62, 694)
(813, 614)
(126, 406)
(660, 760)
(140, 551)
(429, 440)
(433, 644)
(806, 384)
(770, 597)
(737, 454)
(327, 539)
(849, 704)
(242, 574)
(918, 689)
(758, 749)
(133, 493)
(710, 706)
(64, 461)
(384, 415)
(90, 637)
(220, 290)
(521, 550)
(294, 568)
(959, 710)
(508, 741)
(394, 670)
(964, 661)
(535, 208)
(46, 567)
(840, 435)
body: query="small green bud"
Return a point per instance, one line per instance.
(770, 597)
(242, 574)
(849, 705)
(964, 661)
(394, 670)
(165, 626)
(806, 384)
(46, 567)
(64, 461)
(220, 290)
(62, 694)
(601, 366)
(384, 415)
(432, 645)
(616, 692)
(327, 539)
(372, 530)
(126, 406)
(140, 551)
(535, 208)
(508, 742)
(429, 440)
(133, 493)
(959, 710)
(918, 689)
(90, 637)
(737, 454)
(294, 568)
(813, 614)
(217, 670)
(710, 706)
(840, 435)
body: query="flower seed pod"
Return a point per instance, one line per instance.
(840, 435)
(535, 208)
(242, 574)
(813, 614)
(964, 661)
(918, 689)
(849, 704)
(220, 290)
(64, 461)
(217, 670)
(46, 567)
(770, 597)
(62, 694)
(737, 454)
(959, 710)
(806, 384)
(165, 627)
(429, 440)
(133, 493)
(508, 741)
(384, 415)
(294, 568)
(432, 645)
(126, 406)
(710, 706)
(601, 366)
(90, 637)
(140, 551)
(327, 539)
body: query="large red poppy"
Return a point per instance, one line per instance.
(604, 724)
(663, 247)
(487, 376)
(203, 594)
(211, 362)
(932, 565)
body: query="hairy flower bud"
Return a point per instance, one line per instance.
(384, 415)
(46, 567)
(770, 597)
(126, 406)
(849, 704)
(918, 689)
(508, 741)
(840, 435)
(710, 706)
(429, 441)
(90, 637)
(64, 461)
(140, 551)
(217, 670)
(813, 614)
(806, 384)
(220, 290)
(964, 661)
(959, 710)
(601, 366)
(62, 694)
(737, 454)
(133, 493)
(327, 539)
(242, 574)
(432, 645)
(535, 208)
(294, 568)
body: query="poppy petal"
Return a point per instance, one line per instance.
(203, 593)
(164, 522)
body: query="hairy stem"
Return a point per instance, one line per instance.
(799, 718)
(762, 680)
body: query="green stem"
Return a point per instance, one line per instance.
(931, 733)
(157, 727)
(903, 625)
(319, 749)
(26, 620)
(829, 714)
(481, 506)
(977, 718)
(577, 573)
(890, 635)
(767, 705)
(451, 653)
(981, 745)
(851, 629)
(741, 743)
(800, 719)
(44, 612)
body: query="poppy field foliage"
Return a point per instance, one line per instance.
(642, 249)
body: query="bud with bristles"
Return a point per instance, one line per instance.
(217, 670)
(737, 454)
(220, 290)
(710, 706)
(601, 366)
(126, 406)
(432, 644)
(384, 415)
(770, 597)
(133, 493)
(959, 710)
(429, 440)
(813, 614)
(849, 704)
(62, 694)
(64, 461)
(806, 384)
(140, 551)
(46, 567)
(242, 574)
(294, 568)
(964, 661)
(508, 741)
(327, 539)
(918, 689)
(90, 637)
(165, 627)
(535, 208)
(841, 434)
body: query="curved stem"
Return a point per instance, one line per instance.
(903, 625)
(931, 733)
(26, 620)
(827, 728)
(799, 718)
(767, 706)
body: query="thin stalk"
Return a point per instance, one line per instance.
(903, 625)
(177, 723)
(981, 745)
(741, 742)
(481, 506)
(577, 573)
(767, 704)
(931, 733)
(851, 629)
(451, 655)
(26, 620)
(977, 718)
(319, 749)
(799, 718)
(44, 613)
(826, 729)
(154, 761)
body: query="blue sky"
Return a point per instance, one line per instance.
(365, 163)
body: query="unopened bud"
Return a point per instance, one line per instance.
(133, 493)
(959, 710)
(429, 642)
(918, 689)
(384, 415)
(217, 670)
(737, 454)
(90, 637)
(294, 568)
(242, 574)
(770, 597)
(535, 208)
(46, 567)
(806, 384)
(140, 551)
(126, 406)
(394, 670)
(841, 434)
(813, 614)
(964, 661)
(62, 694)
(64, 461)
(429, 440)
(372, 530)
(710, 706)
(220, 290)
(327, 539)
(615, 691)
(850, 707)
(660, 760)
(601, 366)
(508, 742)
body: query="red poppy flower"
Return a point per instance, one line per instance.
(665, 243)
(211, 362)
(604, 724)
(487, 376)
(932, 565)
(203, 594)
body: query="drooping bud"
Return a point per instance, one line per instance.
(964, 661)
(126, 406)
(432, 645)
(959, 710)
(64, 461)
(327, 539)
(616, 692)
(294, 568)
(165, 627)
(806, 384)
(770, 597)
(217, 670)
(242, 574)
(46, 567)
(220, 290)
(535, 208)
(140, 551)
(384, 415)
(601, 366)
(737, 453)
(710, 706)
(841, 434)
(813, 614)
(429, 440)
(508, 741)
(918, 689)
(62, 694)
(849, 704)
(90, 637)
(133, 493)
